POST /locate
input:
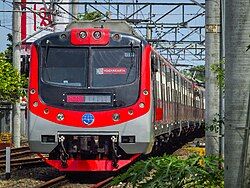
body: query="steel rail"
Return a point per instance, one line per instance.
(53, 182)
(102, 183)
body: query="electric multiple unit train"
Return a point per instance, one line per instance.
(100, 96)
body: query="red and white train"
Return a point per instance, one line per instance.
(99, 96)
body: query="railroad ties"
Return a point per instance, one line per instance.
(20, 157)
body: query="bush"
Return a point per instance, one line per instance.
(172, 171)
(11, 82)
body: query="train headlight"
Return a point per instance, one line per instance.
(116, 117)
(141, 105)
(82, 34)
(60, 117)
(97, 34)
(35, 104)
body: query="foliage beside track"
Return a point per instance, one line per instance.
(95, 15)
(11, 82)
(174, 171)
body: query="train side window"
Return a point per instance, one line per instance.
(185, 92)
(158, 92)
(180, 86)
(168, 82)
(189, 94)
(154, 65)
(177, 88)
(173, 85)
(168, 74)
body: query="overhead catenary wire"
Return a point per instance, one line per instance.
(117, 9)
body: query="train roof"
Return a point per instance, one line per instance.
(113, 25)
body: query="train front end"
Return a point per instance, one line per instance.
(90, 103)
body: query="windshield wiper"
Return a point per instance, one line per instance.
(46, 58)
(132, 54)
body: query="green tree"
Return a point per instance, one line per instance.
(95, 15)
(196, 72)
(11, 82)
(8, 53)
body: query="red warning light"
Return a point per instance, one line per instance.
(97, 34)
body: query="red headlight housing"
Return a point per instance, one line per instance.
(90, 36)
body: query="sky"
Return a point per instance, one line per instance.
(5, 23)
(6, 17)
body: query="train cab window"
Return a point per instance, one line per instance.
(114, 66)
(64, 66)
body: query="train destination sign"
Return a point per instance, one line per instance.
(88, 99)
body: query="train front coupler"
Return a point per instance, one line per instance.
(115, 156)
(63, 154)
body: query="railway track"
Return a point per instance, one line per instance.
(20, 163)
(16, 152)
(102, 183)
(26, 162)
(53, 182)
(23, 148)
(61, 180)
(20, 157)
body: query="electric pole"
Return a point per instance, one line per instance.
(16, 32)
(212, 89)
(74, 9)
(148, 33)
(237, 89)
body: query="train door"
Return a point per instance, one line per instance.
(181, 97)
(185, 101)
(173, 115)
(175, 97)
(154, 70)
(189, 106)
(163, 89)
(159, 109)
(169, 93)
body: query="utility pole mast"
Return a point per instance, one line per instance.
(148, 33)
(212, 90)
(16, 29)
(74, 9)
(237, 89)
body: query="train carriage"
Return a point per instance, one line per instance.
(100, 95)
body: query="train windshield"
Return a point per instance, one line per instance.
(95, 67)
(114, 66)
(65, 66)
